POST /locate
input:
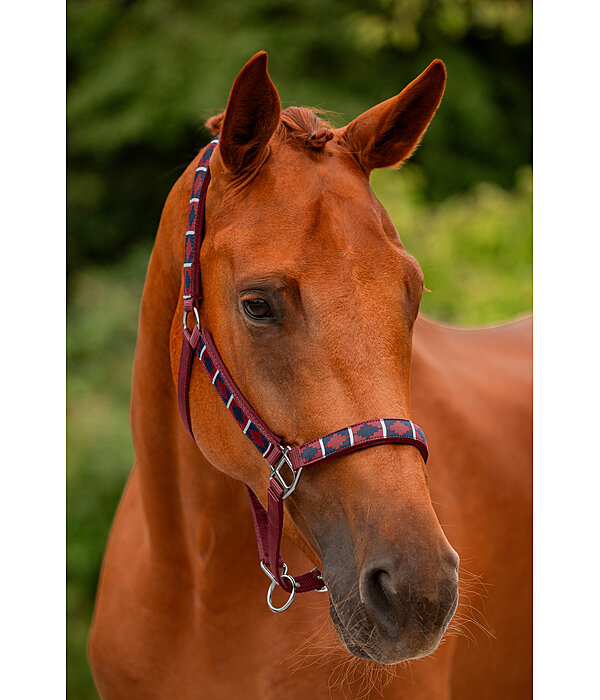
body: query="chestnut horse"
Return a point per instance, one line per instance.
(313, 302)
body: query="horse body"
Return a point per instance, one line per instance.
(480, 479)
(181, 604)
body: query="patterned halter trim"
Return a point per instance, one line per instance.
(198, 342)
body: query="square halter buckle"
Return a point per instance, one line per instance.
(276, 473)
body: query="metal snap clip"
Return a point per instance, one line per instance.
(284, 574)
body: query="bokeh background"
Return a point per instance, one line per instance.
(142, 77)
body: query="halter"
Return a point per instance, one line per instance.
(268, 524)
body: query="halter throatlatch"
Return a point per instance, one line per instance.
(285, 462)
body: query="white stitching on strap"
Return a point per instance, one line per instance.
(322, 447)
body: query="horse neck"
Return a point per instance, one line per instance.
(430, 341)
(192, 511)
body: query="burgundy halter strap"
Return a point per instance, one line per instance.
(268, 524)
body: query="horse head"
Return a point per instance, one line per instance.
(311, 298)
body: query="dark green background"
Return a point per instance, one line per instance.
(142, 77)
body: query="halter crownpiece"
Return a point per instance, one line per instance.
(285, 462)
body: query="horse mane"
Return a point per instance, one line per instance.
(303, 125)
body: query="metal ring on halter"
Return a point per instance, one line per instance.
(185, 315)
(274, 583)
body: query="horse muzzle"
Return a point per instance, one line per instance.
(397, 608)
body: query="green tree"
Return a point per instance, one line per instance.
(143, 75)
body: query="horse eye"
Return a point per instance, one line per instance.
(257, 308)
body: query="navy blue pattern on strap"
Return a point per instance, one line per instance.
(201, 170)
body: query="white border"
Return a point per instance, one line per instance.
(566, 349)
(566, 303)
(32, 517)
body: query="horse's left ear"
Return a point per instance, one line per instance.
(251, 117)
(388, 133)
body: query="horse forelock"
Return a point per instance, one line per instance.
(304, 125)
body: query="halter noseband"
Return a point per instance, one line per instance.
(268, 524)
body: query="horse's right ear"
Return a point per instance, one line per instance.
(251, 117)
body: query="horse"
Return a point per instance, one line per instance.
(313, 302)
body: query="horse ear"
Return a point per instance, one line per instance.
(388, 133)
(251, 117)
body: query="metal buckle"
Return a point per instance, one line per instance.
(275, 473)
(185, 315)
(284, 574)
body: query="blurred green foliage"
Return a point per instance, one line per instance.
(144, 74)
(475, 249)
(101, 335)
(142, 77)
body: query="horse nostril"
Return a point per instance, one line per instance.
(379, 594)
(409, 602)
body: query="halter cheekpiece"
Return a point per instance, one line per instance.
(285, 462)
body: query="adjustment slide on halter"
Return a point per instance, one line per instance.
(276, 473)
